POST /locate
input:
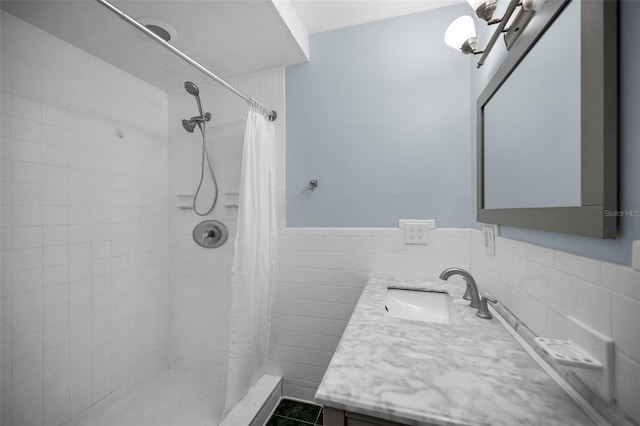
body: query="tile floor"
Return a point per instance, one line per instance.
(290, 412)
(183, 395)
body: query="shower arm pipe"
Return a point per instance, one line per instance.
(270, 114)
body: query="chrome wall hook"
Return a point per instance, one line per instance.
(313, 184)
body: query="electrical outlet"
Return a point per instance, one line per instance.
(416, 233)
(635, 255)
(490, 232)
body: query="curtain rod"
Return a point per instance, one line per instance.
(270, 114)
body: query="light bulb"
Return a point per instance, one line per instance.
(459, 32)
(475, 3)
(484, 8)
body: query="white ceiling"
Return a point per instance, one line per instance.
(324, 15)
(230, 38)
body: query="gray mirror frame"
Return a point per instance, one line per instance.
(599, 128)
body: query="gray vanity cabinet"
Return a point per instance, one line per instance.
(335, 417)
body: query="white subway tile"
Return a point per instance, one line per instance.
(79, 307)
(79, 327)
(79, 252)
(79, 233)
(27, 130)
(24, 259)
(56, 314)
(26, 303)
(27, 237)
(581, 267)
(592, 305)
(54, 135)
(56, 356)
(79, 196)
(56, 255)
(337, 311)
(56, 335)
(29, 368)
(79, 215)
(26, 108)
(27, 151)
(556, 325)
(24, 215)
(55, 235)
(621, 279)
(100, 267)
(514, 247)
(28, 280)
(626, 326)
(54, 155)
(55, 215)
(56, 275)
(55, 175)
(29, 194)
(100, 249)
(540, 254)
(56, 295)
(27, 401)
(54, 116)
(27, 345)
(627, 385)
(56, 394)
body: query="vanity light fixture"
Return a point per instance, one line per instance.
(461, 33)
(484, 8)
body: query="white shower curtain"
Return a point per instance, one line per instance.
(254, 260)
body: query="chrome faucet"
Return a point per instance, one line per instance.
(472, 287)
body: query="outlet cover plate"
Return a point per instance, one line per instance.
(417, 232)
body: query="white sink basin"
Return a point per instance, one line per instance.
(422, 305)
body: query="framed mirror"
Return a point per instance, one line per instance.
(547, 124)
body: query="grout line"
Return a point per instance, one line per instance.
(294, 419)
(318, 416)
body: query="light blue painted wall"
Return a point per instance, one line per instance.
(380, 116)
(618, 250)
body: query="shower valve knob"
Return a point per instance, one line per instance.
(210, 234)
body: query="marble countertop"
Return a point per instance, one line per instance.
(425, 373)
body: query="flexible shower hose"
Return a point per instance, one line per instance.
(205, 155)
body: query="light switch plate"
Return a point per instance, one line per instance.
(490, 232)
(635, 255)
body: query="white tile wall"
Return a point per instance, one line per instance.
(321, 275)
(84, 225)
(200, 278)
(84, 269)
(543, 286)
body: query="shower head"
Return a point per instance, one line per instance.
(199, 121)
(191, 88)
(189, 125)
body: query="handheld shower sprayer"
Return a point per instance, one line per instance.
(190, 125)
(193, 90)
